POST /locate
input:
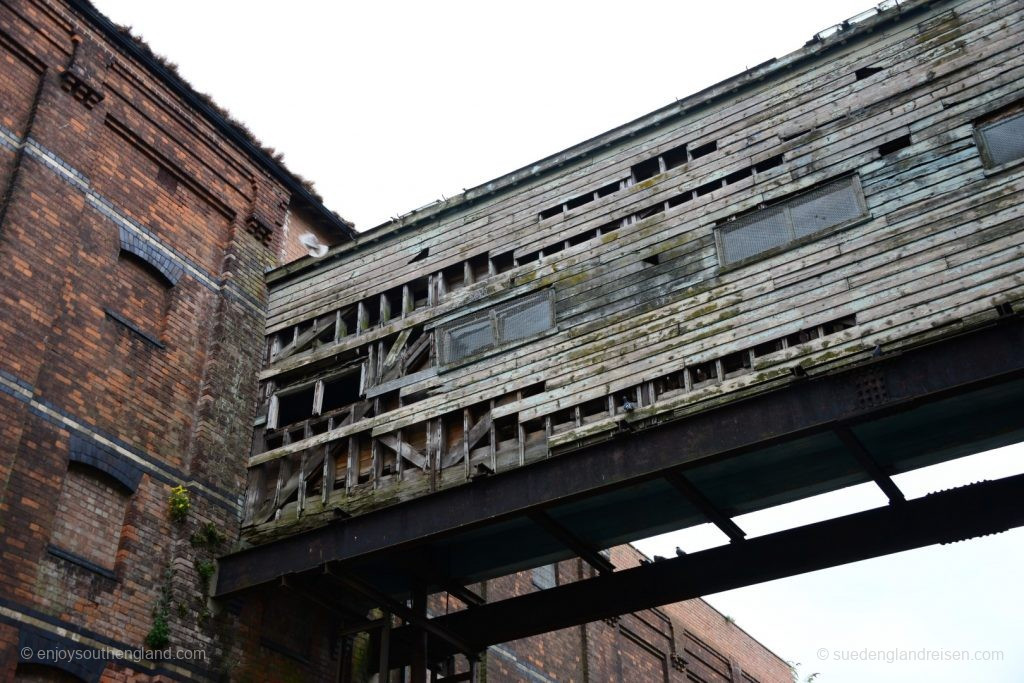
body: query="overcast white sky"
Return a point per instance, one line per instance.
(389, 106)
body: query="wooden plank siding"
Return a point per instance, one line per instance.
(650, 324)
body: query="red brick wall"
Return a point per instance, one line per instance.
(95, 347)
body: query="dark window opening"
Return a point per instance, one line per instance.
(506, 429)
(803, 336)
(294, 407)
(767, 164)
(364, 461)
(594, 409)
(391, 304)
(478, 267)
(326, 330)
(424, 253)
(534, 431)
(551, 213)
(610, 188)
(626, 401)
(503, 262)
(703, 372)
(836, 326)
(736, 362)
(532, 390)
(674, 157)
(895, 145)
(866, 72)
(553, 248)
(674, 381)
(302, 328)
(648, 212)
(529, 258)
(739, 175)
(340, 392)
(563, 420)
(577, 202)
(653, 259)
(348, 322)
(372, 314)
(680, 198)
(582, 237)
(704, 149)
(646, 169)
(767, 347)
(454, 276)
(708, 188)
(419, 292)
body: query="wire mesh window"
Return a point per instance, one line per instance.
(1002, 141)
(805, 214)
(502, 324)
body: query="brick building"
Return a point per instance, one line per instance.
(136, 225)
(685, 641)
(137, 222)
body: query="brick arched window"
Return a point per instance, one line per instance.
(90, 517)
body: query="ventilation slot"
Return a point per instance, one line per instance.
(893, 146)
(866, 72)
(704, 150)
(646, 169)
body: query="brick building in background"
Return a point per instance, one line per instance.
(136, 224)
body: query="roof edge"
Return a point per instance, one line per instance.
(182, 89)
(821, 43)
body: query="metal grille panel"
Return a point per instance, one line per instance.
(801, 216)
(525, 318)
(754, 233)
(824, 207)
(1004, 141)
(507, 322)
(468, 337)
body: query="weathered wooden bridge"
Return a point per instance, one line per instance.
(805, 277)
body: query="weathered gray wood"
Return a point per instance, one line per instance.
(942, 244)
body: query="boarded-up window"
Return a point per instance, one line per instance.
(502, 324)
(801, 216)
(90, 515)
(1002, 141)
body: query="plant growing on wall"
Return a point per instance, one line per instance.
(179, 503)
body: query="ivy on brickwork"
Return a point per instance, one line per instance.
(159, 635)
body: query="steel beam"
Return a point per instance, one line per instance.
(707, 508)
(867, 462)
(388, 604)
(566, 538)
(809, 406)
(945, 517)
